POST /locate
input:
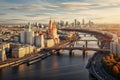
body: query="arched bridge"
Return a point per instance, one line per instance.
(77, 48)
(92, 32)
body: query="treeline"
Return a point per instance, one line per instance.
(111, 64)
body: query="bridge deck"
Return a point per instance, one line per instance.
(78, 48)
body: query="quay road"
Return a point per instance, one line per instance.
(96, 69)
(26, 59)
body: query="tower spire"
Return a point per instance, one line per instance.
(50, 23)
(29, 24)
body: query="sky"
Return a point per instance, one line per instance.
(24, 11)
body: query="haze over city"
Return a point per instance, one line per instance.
(23, 11)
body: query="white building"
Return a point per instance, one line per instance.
(27, 36)
(22, 37)
(115, 47)
(39, 40)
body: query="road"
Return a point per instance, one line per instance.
(97, 69)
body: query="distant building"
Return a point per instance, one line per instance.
(115, 47)
(16, 39)
(75, 22)
(22, 37)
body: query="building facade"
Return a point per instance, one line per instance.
(2, 55)
(22, 51)
(27, 36)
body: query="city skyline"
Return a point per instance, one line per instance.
(23, 11)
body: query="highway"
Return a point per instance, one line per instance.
(96, 68)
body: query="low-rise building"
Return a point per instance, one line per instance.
(49, 43)
(22, 51)
(5, 46)
(2, 55)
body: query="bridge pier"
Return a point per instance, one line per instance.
(75, 43)
(71, 53)
(102, 44)
(84, 35)
(91, 35)
(99, 43)
(84, 53)
(53, 51)
(86, 43)
(58, 52)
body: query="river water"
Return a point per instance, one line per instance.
(55, 67)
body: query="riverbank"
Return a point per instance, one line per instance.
(30, 59)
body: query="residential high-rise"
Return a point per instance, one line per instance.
(22, 37)
(39, 40)
(27, 36)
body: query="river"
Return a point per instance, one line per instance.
(55, 67)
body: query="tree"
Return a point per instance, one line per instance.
(115, 69)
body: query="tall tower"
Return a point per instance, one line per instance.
(52, 32)
(29, 25)
(50, 24)
(49, 31)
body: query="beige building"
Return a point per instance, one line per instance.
(5, 46)
(49, 43)
(2, 55)
(22, 51)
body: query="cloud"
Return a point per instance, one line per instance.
(63, 6)
(103, 1)
(32, 7)
(3, 14)
(79, 5)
